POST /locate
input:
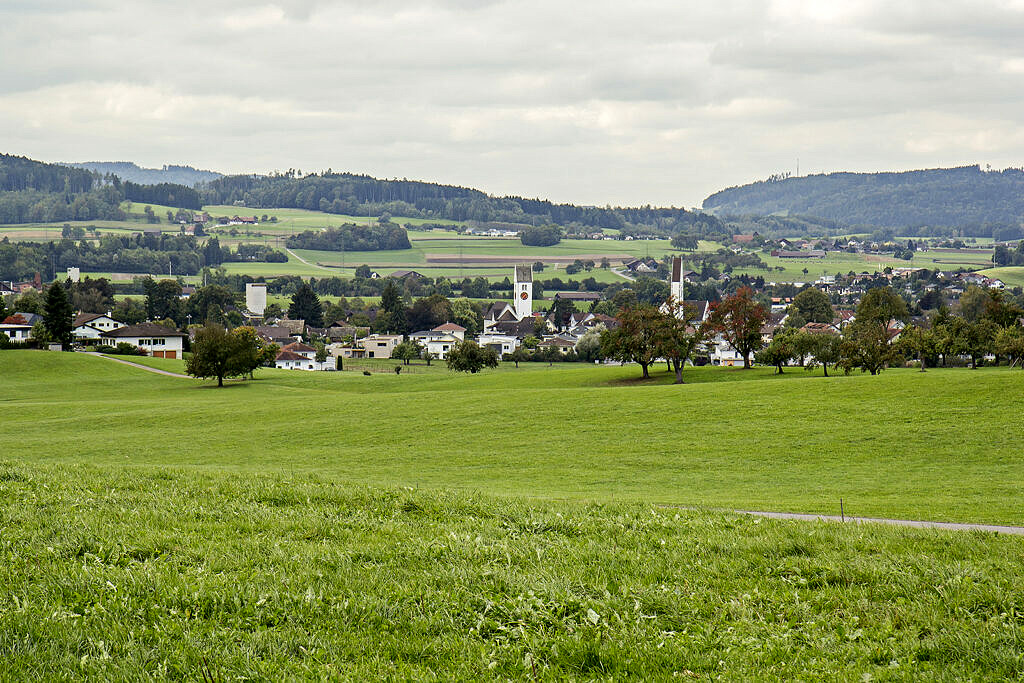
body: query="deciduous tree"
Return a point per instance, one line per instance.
(739, 319)
(216, 353)
(635, 340)
(468, 356)
(679, 334)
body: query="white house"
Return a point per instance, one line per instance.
(156, 340)
(92, 325)
(722, 353)
(293, 360)
(502, 343)
(16, 327)
(290, 360)
(452, 329)
(440, 346)
(304, 350)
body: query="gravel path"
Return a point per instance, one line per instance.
(141, 367)
(949, 526)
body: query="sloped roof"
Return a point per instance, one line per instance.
(143, 330)
(449, 327)
(289, 355)
(524, 273)
(298, 347)
(83, 318)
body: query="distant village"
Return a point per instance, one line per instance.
(568, 327)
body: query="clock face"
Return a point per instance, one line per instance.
(524, 296)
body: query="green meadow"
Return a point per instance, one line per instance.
(1012, 276)
(941, 445)
(562, 522)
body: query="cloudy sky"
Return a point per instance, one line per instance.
(586, 101)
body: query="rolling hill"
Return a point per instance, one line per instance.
(968, 199)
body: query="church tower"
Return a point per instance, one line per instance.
(522, 293)
(676, 284)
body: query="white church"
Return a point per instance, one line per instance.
(506, 324)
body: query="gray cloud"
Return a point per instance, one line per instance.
(593, 102)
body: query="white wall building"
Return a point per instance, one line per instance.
(522, 292)
(256, 297)
(502, 343)
(156, 340)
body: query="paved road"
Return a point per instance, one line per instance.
(141, 367)
(950, 526)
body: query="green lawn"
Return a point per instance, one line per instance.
(841, 262)
(122, 571)
(941, 445)
(1012, 276)
(509, 525)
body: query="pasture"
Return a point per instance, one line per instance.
(418, 527)
(941, 445)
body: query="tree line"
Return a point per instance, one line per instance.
(352, 237)
(134, 253)
(361, 195)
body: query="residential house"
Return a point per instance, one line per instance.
(452, 329)
(16, 327)
(156, 340)
(439, 346)
(277, 334)
(560, 342)
(503, 344)
(406, 275)
(304, 350)
(585, 297)
(379, 345)
(92, 325)
(290, 360)
(722, 353)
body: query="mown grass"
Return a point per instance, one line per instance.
(1012, 276)
(120, 572)
(941, 445)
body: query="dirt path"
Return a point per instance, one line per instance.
(141, 367)
(312, 265)
(948, 526)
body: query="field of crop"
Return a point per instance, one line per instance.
(842, 262)
(332, 525)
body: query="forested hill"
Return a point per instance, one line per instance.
(360, 195)
(36, 192)
(965, 197)
(129, 171)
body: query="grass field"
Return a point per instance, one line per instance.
(842, 262)
(940, 445)
(336, 526)
(1012, 276)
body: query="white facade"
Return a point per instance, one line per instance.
(502, 343)
(722, 353)
(676, 285)
(92, 329)
(16, 332)
(161, 347)
(74, 274)
(256, 297)
(522, 292)
(440, 346)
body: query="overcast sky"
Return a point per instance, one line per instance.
(585, 101)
